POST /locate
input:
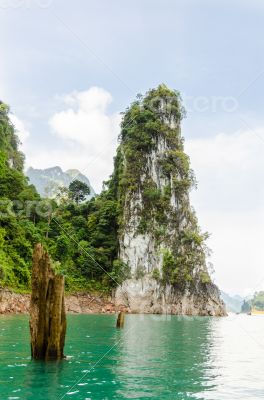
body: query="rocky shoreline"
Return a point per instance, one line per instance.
(147, 296)
(144, 298)
(79, 303)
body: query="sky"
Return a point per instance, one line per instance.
(67, 70)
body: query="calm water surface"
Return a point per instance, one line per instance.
(153, 357)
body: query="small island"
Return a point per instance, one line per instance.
(138, 241)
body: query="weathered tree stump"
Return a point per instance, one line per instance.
(47, 309)
(120, 320)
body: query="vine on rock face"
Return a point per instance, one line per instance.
(151, 134)
(151, 181)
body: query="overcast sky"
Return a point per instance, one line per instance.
(68, 69)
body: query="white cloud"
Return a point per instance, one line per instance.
(21, 130)
(88, 136)
(86, 122)
(229, 203)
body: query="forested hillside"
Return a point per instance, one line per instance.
(17, 232)
(75, 233)
(85, 238)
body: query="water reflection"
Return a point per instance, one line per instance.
(237, 353)
(167, 356)
(153, 357)
(43, 380)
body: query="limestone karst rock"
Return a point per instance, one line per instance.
(47, 309)
(159, 236)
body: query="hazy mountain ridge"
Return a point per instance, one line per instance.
(233, 303)
(47, 181)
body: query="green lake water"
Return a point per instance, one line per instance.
(153, 357)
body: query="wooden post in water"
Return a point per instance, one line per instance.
(120, 320)
(47, 309)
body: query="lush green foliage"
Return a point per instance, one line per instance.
(17, 231)
(82, 236)
(78, 191)
(258, 301)
(149, 123)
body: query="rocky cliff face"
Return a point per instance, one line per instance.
(147, 296)
(159, 237)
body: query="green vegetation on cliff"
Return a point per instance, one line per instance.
(17, 232)
(83, 236)
(151, 139)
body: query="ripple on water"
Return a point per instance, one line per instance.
(179, 358)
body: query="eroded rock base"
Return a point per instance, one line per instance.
(147, 296)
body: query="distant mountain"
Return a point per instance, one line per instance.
(47, 181)
(233, 303)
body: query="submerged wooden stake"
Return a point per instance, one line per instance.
(120, 320)
(47, 309)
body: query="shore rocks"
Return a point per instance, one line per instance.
(147, 296)
(13, 303)
(139, 296)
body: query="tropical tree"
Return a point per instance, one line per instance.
(78, 191)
